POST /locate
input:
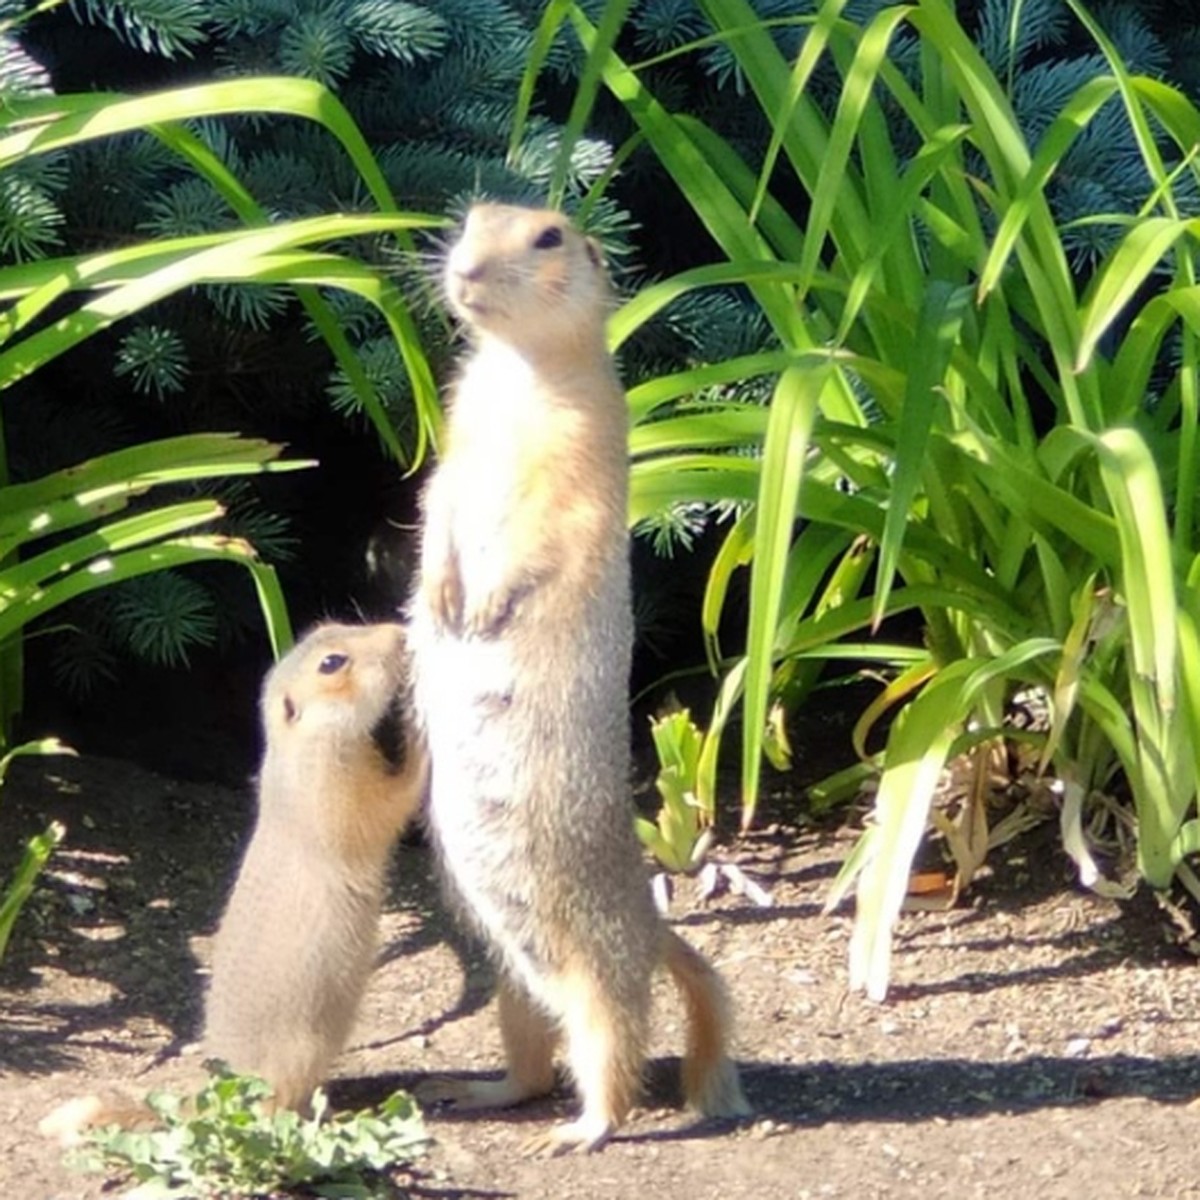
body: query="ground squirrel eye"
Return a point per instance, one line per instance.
(332, 663)
(549, 238)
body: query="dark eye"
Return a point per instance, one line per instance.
(550, 237)
(333, 663)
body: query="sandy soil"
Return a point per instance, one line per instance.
(1038, 1041)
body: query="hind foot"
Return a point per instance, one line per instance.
(473, 1095)
(581, 1136)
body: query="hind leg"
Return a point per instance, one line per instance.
(606, 1037)
(530, 1036)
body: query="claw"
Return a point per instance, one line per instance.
(443, 592)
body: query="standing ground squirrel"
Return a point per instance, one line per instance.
(340, 779)
(341, 776)
(521, 637)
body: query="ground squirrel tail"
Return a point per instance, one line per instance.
(710, 1078)
(69, 1122)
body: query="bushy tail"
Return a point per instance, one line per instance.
(68, 1123)
(710, 1077)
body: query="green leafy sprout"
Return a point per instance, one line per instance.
(37, 850)
(680, 837)
(225, 1141)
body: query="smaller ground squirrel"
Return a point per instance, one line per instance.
(522, 634)
(341, 776)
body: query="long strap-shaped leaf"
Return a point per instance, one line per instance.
(918, 745)
(794, 409)
(42, 125)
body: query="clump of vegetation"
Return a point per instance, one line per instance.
(224, 1141)
(961, 432)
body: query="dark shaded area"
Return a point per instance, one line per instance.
(821, 1092)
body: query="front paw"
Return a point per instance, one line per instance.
(489, 618)
(442, 593)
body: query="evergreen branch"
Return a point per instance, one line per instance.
(396, 29)
(166, 27)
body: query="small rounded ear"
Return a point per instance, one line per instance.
(594, 252)
(290, 711)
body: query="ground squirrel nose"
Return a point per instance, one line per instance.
(462, 266)
(463, 278)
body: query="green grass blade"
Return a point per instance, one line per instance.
(918, 745)
(544, 34)
(45, 125)
(648, 396)
(1047, 507)
(737, 550)
(20, 887)
(252, 255)
(715, 204)
(1131, 479)
(845, 131)
(1139, 255)
(99, 487)
(35, 572)
(612, 20)
(660, 483)
(805, 136)
(810, 54)
(727, 698)
(938, 325)
(106, 570)
(731, 426)
(272, 605)
(933, 157)
(919, 741)
(1146, 139)
(1051, 149)
(653, 298)
(793, 411)
(1189, 670)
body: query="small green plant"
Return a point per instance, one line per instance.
(680, 837)
(37, 850)
(224, 1142)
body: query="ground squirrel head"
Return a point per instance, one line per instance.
(526, 276)
(339, 682)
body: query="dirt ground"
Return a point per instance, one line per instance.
(1038, 1041)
